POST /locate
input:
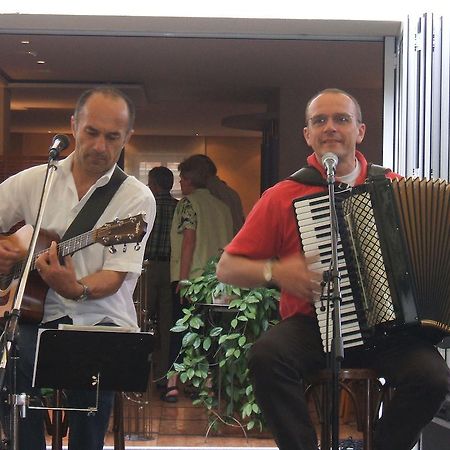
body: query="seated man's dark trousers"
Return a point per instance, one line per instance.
(292, 351)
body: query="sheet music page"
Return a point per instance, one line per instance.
(40, 331)
(108, 328)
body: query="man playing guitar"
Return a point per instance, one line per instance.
(93, 286)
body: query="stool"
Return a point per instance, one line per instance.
(57, 424)
(361, 386)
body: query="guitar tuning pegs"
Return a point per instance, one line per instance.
(124, 248)
(112, 250)
(137, 247)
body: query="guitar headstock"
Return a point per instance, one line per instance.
(121, 231)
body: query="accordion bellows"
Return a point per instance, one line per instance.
(424, 213)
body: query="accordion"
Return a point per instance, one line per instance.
(393, 257)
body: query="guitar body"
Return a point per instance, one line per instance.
(32, 307)
(131, 229)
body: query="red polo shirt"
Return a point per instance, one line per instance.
(270, 230)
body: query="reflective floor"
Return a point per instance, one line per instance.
(150, 423)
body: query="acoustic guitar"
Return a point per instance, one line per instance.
(130, 230)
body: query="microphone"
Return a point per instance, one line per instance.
(330, 161)
(59, 143)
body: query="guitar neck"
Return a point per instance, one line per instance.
(131, 229)
(65, 248)
(70, 246)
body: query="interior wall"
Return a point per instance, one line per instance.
(238, 162)
(237, 159)
(5, 101)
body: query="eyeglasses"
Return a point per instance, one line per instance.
(339, 120)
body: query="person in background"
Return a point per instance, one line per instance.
(222, 191)
(201, 227)
(93, 286)
(268, 250)
(157, 255)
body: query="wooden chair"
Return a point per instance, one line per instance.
(362, 389)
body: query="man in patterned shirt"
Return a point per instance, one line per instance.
(157, 255)
(202, 225)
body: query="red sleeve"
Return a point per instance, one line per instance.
(259, 237)
(270, 230)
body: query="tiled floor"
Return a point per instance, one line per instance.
(150, 422)
(162, 424)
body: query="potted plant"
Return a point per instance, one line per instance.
(217, 338)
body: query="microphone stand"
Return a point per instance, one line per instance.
(336, 299)
(19, 402)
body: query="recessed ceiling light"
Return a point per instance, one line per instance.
(24, 42)
(41, 61)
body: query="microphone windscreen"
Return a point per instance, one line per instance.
(61, 140)
(330, 157)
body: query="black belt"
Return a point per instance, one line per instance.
(160, 258)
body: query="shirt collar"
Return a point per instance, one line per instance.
(65, 165)
(351, 177)
(312, 161)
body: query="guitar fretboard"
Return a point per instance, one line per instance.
(64, 248)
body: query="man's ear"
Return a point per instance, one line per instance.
(128, 136)
(361, 133)
(306, 135)
(73, 125)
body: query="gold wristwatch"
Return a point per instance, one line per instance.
(267, 271)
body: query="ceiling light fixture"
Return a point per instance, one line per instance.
(41, 61)
(24, 42)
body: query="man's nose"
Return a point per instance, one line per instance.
(100, 143)
(329, 124)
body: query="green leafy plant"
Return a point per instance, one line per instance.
(217, 338)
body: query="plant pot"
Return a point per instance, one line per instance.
(223, 299)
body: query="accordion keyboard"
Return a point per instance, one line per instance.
(313, 222)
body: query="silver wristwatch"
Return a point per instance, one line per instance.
(84, 295)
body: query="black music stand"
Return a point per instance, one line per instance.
(122, 360)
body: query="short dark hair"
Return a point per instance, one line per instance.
(335, 91)
(206, 161)
(107, 91)
(162, 176)
(195, 170)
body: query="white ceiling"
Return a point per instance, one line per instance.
(185, 76)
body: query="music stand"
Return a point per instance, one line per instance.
(121, 359)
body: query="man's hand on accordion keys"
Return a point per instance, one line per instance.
(294, 275)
